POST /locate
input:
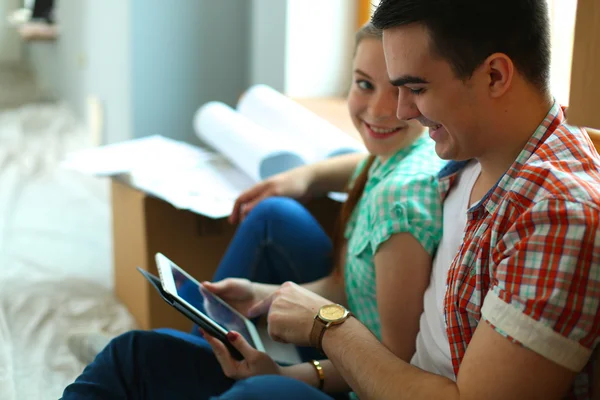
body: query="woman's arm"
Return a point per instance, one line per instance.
(333, 174)
(306, 372)
(403, 269)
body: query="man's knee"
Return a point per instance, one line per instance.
(134, 346)
(129, 337)
(271, 387)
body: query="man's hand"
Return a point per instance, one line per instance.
(292, 310)
(239, 293)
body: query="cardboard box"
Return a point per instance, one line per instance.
(144, 225)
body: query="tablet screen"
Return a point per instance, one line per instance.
(196, 295)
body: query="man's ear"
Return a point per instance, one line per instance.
(500, 72)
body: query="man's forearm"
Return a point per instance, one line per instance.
(374, 372)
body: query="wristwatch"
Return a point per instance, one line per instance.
(329, 315)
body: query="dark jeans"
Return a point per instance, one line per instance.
(151, 365)
(278, 241)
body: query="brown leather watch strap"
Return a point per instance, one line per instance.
(317, 332)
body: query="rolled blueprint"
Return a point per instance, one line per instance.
(278, 113)
(258, 152)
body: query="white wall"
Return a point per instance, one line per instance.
(107, 53)
(10, 43)
(562, 24)
(149, 63)
(184, 54)
(268, 41)
(319, 47)
(68, 53)
(303, 48)
(91, 59)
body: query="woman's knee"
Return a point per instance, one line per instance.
(277, 208)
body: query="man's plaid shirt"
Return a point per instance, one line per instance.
(529, 264)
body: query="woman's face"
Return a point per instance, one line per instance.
(373, 101)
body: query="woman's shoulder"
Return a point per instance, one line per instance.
(421, 160)
(419, 169)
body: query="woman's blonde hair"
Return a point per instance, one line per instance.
(355, 191)
(367, 31)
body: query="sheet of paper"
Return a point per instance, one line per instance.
(257, 151)
(278, 113)
(208, 189)
(136, 154)
(186, 176)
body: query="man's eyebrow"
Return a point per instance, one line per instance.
(407, 79)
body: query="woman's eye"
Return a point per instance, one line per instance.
(365, 85)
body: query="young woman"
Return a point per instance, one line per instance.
(388, 232)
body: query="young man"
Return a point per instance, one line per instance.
(512, 310)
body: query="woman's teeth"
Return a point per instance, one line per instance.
(382, 131)
(435, 127)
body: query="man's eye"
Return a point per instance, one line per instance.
(365, 85)
(416, 91)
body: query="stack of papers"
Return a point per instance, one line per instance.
(186, 176)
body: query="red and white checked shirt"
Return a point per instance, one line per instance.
(529, 264)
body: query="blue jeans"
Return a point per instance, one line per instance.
(278, 241)
(150, 365)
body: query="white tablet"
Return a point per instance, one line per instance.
(218, 314)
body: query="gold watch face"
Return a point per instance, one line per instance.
(332, 312)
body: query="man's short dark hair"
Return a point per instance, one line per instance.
(466, 32)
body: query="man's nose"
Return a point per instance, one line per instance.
(406, 108)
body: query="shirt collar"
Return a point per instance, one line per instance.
(547, 127)
(491, 200)
(447, 176)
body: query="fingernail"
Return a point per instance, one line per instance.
(232, 336)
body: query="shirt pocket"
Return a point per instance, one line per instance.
(360, 237)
